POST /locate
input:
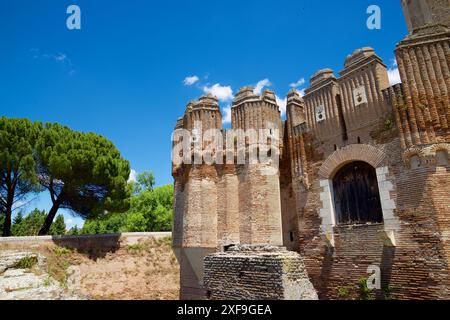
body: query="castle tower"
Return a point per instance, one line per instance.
(362, 81)
(296, 122)
(322, 110)
(259, 185)
(205, 111)
(196, 194)
(422, 14)
(250, 111)
(293, 173)
(423, 57)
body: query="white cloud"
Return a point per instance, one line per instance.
(282, 104)
(223, 93)
(61, 57)
(189, 81)
(133, 176)
(393, 73)
(226, 119)
(394, 76)
(302, 92)
(260, 86)
(297, 84)
(394, 62)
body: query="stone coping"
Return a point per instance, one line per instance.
(86, 237)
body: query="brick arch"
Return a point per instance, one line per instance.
(440, 147)
(354, 152)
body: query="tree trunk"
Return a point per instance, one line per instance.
(7, 224)
(49, 219)
(8, 213)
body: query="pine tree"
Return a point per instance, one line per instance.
(83, 172)
(17, 164)
(58, 227)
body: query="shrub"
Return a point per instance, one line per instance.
(26, 262)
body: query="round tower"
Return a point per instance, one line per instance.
(204, 111)
(421, 14)
(251, 111)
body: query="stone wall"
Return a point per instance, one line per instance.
(86, 242)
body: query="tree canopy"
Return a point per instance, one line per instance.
(83, 172)
(17, 164)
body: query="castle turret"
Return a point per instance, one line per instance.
(423, 62)
(196, 197)
(206, 111)
(426, 14)
(251, 111)
(259, 186)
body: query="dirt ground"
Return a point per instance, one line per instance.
(144, 271)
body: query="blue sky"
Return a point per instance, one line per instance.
(122, 75)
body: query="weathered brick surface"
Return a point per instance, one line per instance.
(257, 274)
(402, 131)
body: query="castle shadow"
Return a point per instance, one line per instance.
(93, 246)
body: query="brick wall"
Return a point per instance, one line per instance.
(266, 273)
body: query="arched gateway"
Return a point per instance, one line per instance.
(356, 194)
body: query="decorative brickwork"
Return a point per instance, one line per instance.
(355, 152)
(399, 133)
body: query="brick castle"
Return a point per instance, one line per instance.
(363, 180)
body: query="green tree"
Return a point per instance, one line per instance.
(145, 181)
(112, 223)
(30, 224)
(17, 165)
(83, 172)
(74, 231)
(58, 228)
(150, 210)
(18, 219)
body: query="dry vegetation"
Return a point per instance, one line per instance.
(147, 270)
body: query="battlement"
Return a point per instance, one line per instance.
(359, 55)
(321, 76)
(360, 58)
(293, 97)
(247, 95)
(253, 111)
(205, 102)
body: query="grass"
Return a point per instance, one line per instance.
(59, 259)
(343, 292)
(47, 282)
(137, 248)
(26, 262)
